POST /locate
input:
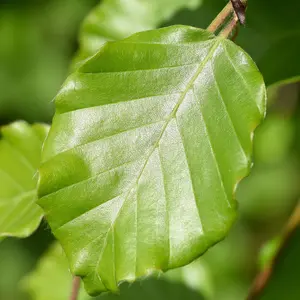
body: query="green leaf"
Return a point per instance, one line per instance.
(51, 279)
(149, 141)
(16, 261)
(114, 20)
(20, 154)
(52, 271)
(271, 35)
(276, 136)
(38, 42)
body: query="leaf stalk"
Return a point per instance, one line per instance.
(221, 18)
(75, 288)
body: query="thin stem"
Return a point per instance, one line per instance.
(75, 288)
(234, 8)
(221, 18)
(231, 26)
(264, 277)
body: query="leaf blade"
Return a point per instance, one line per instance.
(20, 151)
(114, 20)
(177, 162)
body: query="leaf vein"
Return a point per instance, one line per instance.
(212, 150)
(167, 216)
(189, 171)
(228, 114)
(141, 70)
(107, 137)
(245, 83)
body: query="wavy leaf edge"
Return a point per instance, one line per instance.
(222, 233)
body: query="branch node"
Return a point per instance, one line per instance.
(240, 10)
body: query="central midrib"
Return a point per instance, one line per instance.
(180, 100)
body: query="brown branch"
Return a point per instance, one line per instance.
(75, 288)
(221, 18)
(236, 9)
(264, 277)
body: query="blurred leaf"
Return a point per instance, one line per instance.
(195, 276)
(144, 146)
(271, 35)
(15, 261)
(20, 154)
(280, 278)
(51, 279)
(114, 20)
(273, 184)
(269, 189)
(229, 264)
(274, 139)
(52, 271)
(37, 43)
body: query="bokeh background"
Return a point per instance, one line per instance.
(38, 39)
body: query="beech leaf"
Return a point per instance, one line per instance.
(150, 138)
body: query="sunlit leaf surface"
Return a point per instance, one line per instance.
(149, 141)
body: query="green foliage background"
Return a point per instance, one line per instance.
(38, 40)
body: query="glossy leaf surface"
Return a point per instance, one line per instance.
(114, 20)
(52, 270)
(20, 154)
(149, 141)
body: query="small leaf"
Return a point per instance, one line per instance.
(20, 154)
(52, 271)
(114, 20)
(150, 138)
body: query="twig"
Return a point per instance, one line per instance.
(264, 277)
(234, 8)
(75, 288)
(221, 18)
